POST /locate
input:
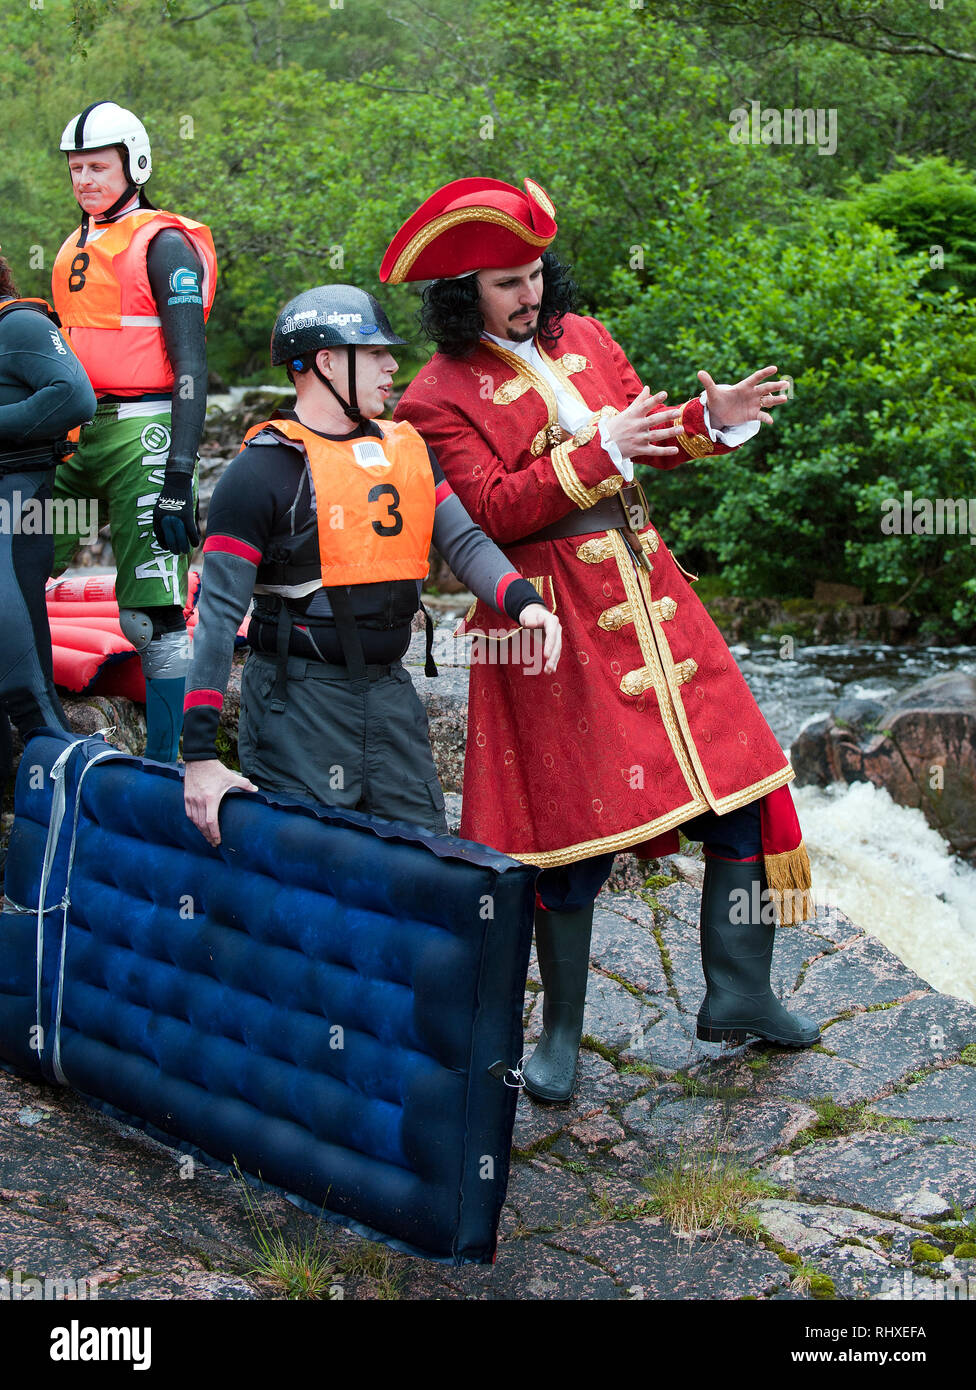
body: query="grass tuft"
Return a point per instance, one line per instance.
(303, 1268)
(367, 1260)
(707, 1192)
(803, 1276)
(310, 1265)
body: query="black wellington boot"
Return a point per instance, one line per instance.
(562, 942)
(737, 951)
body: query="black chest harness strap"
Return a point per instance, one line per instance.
(349, 640)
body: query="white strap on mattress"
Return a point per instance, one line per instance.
(50, 850)
(66, 903)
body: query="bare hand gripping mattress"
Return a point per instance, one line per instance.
(330, 1000)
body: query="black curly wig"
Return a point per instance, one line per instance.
(8, 290)
(450, 316)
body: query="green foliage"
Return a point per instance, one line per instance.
(883, 379)
(931, 206)
(305, 132)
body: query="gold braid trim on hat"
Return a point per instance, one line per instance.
(446, 221)
(540, 196)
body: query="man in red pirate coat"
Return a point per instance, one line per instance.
(538, 419)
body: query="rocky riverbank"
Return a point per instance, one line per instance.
(809, 621)
(920, 746)
(678, 1171)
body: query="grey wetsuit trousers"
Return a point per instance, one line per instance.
(361, 746)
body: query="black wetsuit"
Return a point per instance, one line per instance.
(360, 744)
(44, 393)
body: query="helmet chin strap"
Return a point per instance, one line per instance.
(350, 407)
(119, 203)
(109, 213)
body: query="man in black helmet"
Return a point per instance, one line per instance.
(326, 517)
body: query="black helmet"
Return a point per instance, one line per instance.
(329, 316)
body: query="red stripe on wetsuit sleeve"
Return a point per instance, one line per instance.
(442, 492)
(203, 697)
(501, 588)
(230, 545)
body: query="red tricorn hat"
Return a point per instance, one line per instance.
(471, 224)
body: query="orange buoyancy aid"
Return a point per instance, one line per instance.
(40, 305)
(106, 306)
(374, 500)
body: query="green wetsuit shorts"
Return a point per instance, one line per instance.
(119, 464)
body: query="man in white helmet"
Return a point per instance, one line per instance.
(133, 286)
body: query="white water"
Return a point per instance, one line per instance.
(880, 863)
(893, 875)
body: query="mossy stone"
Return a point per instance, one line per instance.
(923, 1253)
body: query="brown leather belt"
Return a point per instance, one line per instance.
(616, 513)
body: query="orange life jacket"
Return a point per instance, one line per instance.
(106, 305)
(374, 501)
(39, 305)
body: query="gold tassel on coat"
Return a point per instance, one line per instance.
(788, 876)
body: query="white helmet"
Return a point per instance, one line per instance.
(106, 123)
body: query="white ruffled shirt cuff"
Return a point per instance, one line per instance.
(623, 466)
(734, 435)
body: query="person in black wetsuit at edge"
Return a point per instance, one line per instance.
(44, 393)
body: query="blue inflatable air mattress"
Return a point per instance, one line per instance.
(332, 1002)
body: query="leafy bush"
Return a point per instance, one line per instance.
(884, 389)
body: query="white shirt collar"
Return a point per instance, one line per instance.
(524, 350)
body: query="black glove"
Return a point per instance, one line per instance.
(174, 515)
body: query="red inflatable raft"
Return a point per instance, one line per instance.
(91, 653)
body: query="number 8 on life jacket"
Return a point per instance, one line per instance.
(105, 302)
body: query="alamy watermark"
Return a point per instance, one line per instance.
(769, 906)
(909, 1286)
(54, 516)
(909, 515)
(18, 1287)
(523, 647)
(768, 125)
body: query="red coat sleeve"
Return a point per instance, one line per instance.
(508, 497)
(485, 449)
(694, 441)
